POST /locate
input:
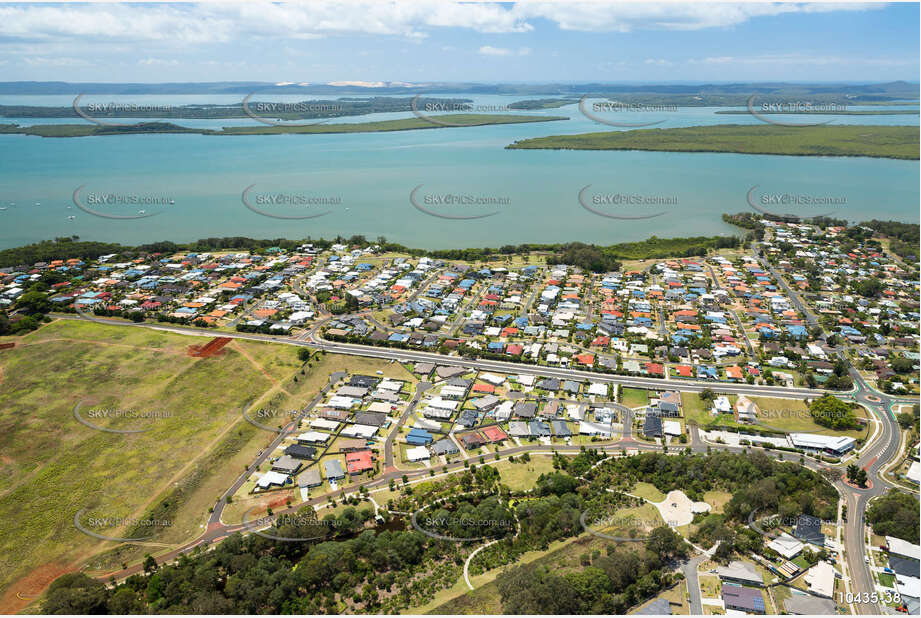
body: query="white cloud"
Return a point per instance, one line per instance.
(208, 23)
(629, 16)
(489, 50)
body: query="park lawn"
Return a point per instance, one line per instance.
(887, 579)
(520, 476)
(648, 491)
(717, 500)
(59, 466)
(634, 397)
(385, 495)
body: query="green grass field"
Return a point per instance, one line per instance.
(173, 471)
(521, 476)
(892, 142)
(648, 491)
(56, 466)
(634, 397)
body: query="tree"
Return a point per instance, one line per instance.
(150, 564)
(861, 477)
(852, 472)
(907, 420)
(533, 590)
(869, 287)
(666, 544)
(895, 514)
(34, 302)
(126, 601)
(76, 593)
(829, 411)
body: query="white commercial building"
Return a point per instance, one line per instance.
(812, 442)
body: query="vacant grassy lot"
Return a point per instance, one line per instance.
(57, 466)
(892, 142)
(709, 586)
(634, 397)
(193, 446)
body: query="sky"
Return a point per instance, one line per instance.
(436, 41)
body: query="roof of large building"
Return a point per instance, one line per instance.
(817, 441)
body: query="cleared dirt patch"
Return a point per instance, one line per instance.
(26, 590)
(212, 348)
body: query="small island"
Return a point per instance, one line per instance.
(890, 142)
(842, 112)
(542, 103)
(403, 124)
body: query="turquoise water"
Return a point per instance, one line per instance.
(373, 174)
